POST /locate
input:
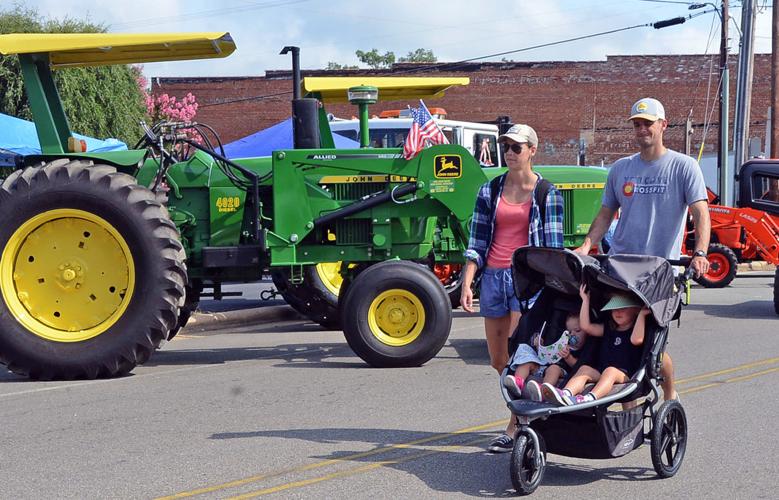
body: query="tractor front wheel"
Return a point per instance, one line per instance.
(723, 265)
(92, 272)
(317, 296)
(396, 314)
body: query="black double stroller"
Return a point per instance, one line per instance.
(607, 427)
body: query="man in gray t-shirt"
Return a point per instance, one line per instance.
(653, 190)
(652, 197)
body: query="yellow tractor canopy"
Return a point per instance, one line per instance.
(391, 88)
(99, 49)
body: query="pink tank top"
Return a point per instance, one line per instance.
(512, 222)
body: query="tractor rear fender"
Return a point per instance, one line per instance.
(127, 161)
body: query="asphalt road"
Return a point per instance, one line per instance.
(286, 410)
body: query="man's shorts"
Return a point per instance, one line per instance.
(496, 296)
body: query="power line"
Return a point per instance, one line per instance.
(659, 24)
(439, 66)
(666, 1)
(242, 99)
(205, 13)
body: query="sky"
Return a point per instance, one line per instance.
(455, 30)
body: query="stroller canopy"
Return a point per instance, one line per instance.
(650, 278)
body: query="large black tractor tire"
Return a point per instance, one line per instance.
(92, 272)
(396, 314)
(776, 291)
(668, 438)
(316, 297)
(723, 265)
(191, 300)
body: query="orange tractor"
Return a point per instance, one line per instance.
(747, 232)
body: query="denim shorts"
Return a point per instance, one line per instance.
(496, 295)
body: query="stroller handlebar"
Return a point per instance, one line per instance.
(683, 261)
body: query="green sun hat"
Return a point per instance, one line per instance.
(620, 300)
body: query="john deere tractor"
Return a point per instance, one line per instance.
(104, 255)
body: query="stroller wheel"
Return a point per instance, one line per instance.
(669, 438)
(527, 469)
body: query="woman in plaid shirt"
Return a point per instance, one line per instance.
(502, 222)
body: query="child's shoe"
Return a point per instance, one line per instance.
(532, 391)
(514, 385)
(554, 395)
(579, 399)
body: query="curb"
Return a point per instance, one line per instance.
(756, 265)
(204, 321)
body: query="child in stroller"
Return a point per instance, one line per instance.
(620, 350)
(597, 429)
(550, 361)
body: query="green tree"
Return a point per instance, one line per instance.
(334, 66)
(375, 60)
(105, 101)
(419, 55)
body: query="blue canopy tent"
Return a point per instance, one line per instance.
(19, 137)
(274, 138)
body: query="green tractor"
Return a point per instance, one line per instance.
(105, 255)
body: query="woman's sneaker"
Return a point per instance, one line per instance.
(514, 385)
(532, 391)
(501, 444)
(554, 395)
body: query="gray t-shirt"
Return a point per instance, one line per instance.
(653, 198)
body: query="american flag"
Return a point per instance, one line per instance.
(423, 128)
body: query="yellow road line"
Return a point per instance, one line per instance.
(353, 471)
(728, 370)
(730, 380)
(324, 463)
(437, 437)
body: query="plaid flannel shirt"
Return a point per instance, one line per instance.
(546, 234)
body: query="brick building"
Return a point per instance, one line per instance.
(566, 102)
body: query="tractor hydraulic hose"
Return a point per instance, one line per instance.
(366, 203)
(255, 186)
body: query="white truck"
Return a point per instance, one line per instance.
(480, 139)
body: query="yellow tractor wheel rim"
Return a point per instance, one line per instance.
(330, 275)
(67, 275)
(396, 317)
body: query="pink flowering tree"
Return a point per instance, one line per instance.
(164, 107)
(167, 107)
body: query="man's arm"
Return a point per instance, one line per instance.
(598, 228)
(702, 221)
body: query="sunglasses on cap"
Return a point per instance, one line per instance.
(516, 147)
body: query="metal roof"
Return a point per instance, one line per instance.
(391, 88)
(98, 49)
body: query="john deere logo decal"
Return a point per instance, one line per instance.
(448, 167)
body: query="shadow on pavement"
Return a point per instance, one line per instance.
(469, 471)
(752, 309)
(292, 355)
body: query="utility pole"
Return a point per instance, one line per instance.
(722, 152)
(744, 87)
(775, 81)
(688, 131)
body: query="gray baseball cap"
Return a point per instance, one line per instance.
(520, 133)
(647, 109)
